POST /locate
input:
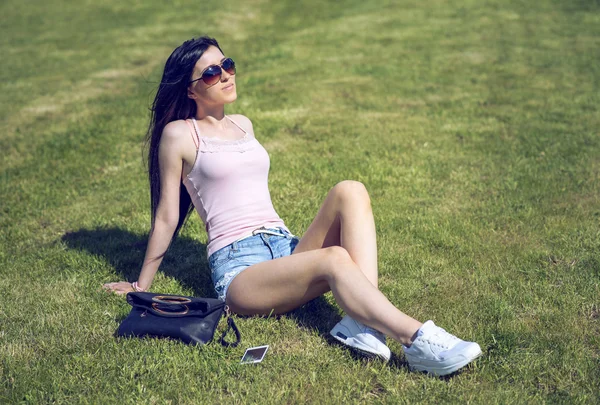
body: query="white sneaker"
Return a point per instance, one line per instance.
(439, 352)
(361, 337)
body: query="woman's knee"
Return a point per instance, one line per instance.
(336, 259)
(350, 191)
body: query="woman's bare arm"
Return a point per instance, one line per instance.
(170, 158)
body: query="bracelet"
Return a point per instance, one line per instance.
(136, 287)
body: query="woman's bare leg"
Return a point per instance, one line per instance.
(345, 219)
(283, 284)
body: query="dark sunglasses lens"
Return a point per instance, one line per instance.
(229, 66)
(211, 75)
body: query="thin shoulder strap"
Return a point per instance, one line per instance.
(236, 124)
(194, 132)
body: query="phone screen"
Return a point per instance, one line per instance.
(255, 354)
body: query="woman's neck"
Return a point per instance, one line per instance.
(213, 117)
(215, 111)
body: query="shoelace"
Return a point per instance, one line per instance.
(443, 339)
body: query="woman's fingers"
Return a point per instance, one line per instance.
(119, 288)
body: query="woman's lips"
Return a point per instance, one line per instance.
(228, 87)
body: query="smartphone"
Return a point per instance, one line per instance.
(254, 354)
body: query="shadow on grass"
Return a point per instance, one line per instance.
(186, 262)
(318, 315)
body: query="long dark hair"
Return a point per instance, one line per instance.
(170, 104)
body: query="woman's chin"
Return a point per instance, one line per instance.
(231, 98)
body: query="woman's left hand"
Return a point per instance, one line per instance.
(119, 288)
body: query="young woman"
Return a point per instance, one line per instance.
(199, 155)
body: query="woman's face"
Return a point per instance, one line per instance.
(223, 92)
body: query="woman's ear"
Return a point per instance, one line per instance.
(190, 93)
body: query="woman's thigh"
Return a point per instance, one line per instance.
(324, 231)
(279, 285)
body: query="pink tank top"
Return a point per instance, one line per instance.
(228, 185)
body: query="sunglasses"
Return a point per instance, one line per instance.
(212, 74)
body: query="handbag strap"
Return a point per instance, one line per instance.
(231, 325)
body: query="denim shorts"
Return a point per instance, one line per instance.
(231, 260)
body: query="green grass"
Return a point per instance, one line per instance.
(475, 125)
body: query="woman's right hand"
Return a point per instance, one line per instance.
(119, 288)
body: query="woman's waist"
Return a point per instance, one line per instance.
(272, 231)
(245, 217)
(246, 236)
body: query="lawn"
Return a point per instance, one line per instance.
(475, 126)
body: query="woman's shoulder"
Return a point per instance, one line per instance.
(242, 121)
(176, 130)
(177, 133)
(176, 127)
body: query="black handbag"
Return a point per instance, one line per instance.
(189, 319)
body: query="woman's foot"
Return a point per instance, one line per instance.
(438, 352)
(361, 337)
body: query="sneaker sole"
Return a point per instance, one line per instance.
(442, 371)
(360, 347)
